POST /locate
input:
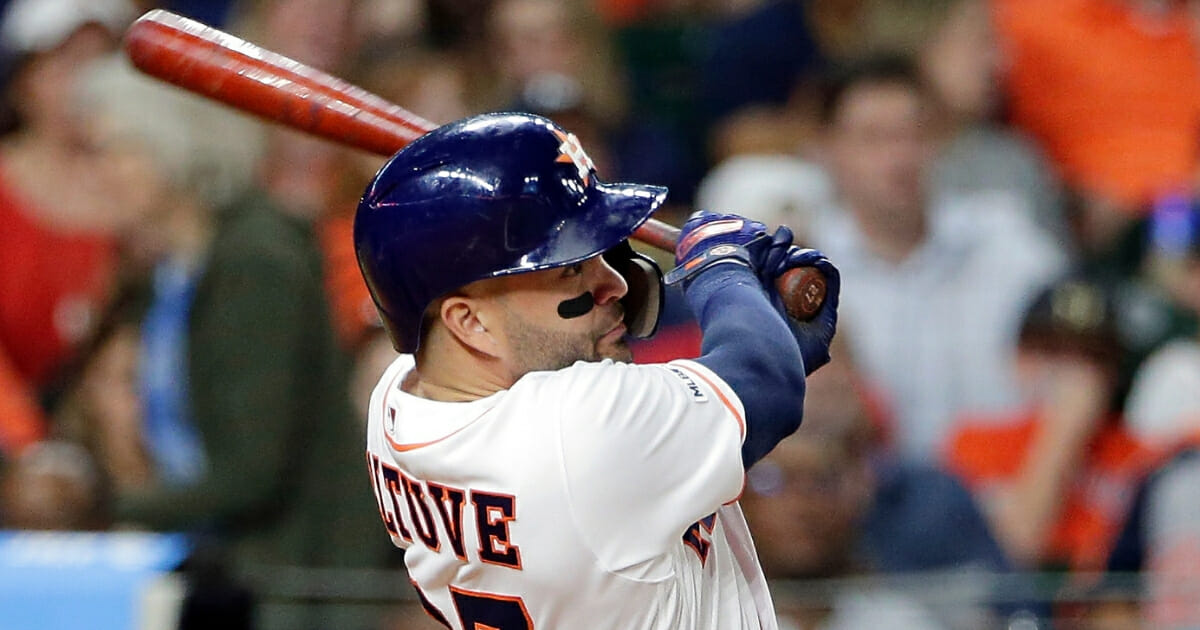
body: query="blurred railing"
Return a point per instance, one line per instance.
(127, 581)
(965, 599)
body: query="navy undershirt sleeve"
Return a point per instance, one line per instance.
(749, 345)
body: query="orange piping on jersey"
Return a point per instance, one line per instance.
(720, 395)
(412, 447)
(741, 421)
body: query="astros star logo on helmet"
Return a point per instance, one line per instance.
(572, 152)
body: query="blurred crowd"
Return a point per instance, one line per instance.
(1010, 188)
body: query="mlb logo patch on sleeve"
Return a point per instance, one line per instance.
(697, 393)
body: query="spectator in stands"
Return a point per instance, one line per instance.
(321, 182)
(808, 503)
(653, 85)
(1164, 402)
(1162, 537)
(760, 133)
(777, 188)
(756, 55)
(940, 282)
(1058, 476)
(244, 388)
(300, 172)
(58, 238)
(52, 485)
(433, 84)
(955, 52)
(101, 408)
(1111, 91)
(558, 59)
(809, 496)
(550, 45)
(955, 48)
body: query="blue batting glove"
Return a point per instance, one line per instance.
(815, 335)
(709, 238)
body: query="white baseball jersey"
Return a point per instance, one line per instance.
(602, 495)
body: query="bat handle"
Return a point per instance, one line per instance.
(802, 289)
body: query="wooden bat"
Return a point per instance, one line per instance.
(215, 64)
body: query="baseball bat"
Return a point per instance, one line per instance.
(243, 75)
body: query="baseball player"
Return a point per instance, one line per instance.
(535, 477)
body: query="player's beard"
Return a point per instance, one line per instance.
(542, 349)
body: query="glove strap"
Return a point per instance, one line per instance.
(715, 255)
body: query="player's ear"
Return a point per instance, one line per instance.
(463, 317)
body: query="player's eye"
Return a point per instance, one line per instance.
(573, 270)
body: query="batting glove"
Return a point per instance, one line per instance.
(708, 239)
(815, 335)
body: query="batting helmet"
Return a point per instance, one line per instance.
(489, 196)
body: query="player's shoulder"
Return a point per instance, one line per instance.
(590, 373)
(682, 380)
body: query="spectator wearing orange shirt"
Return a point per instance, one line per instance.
(1111, 89)
(1057, 477)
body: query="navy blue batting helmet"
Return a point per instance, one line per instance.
(488, 196)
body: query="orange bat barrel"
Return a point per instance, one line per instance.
(231, 70)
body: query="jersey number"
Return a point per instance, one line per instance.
(484, 611)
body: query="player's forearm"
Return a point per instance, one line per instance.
(747, 343)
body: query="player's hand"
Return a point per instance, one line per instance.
(709, 238)
(815, 335)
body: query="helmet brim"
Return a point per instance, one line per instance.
(609, 215)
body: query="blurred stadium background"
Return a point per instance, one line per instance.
(1006, 437)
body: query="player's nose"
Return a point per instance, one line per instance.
(608, 285)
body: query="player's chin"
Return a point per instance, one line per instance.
(615, 349)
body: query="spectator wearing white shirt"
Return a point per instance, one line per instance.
(954, 49)
(935, 284)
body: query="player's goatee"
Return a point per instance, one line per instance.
(544, 349)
